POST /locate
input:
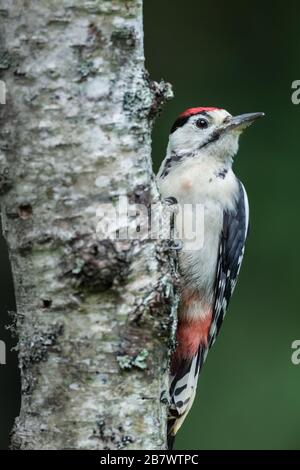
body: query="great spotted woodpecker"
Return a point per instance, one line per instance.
(198, 170)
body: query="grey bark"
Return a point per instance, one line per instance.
(94, 317)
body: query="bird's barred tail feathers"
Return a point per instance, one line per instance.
(183, 385)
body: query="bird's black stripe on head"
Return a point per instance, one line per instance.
(179, 123)
(212, 138)
(183, 119)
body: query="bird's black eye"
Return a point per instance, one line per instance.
(202, 123)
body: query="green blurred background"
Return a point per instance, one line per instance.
(242, 57)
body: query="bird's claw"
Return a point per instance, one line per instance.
(175, 245)
(170, 201)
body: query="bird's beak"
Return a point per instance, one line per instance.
(239, 123)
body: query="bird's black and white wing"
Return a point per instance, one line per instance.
(231, 252)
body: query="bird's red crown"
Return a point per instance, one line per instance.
(193, 111)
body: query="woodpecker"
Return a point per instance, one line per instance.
(198, 170)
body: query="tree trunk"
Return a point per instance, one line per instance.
(94, 316)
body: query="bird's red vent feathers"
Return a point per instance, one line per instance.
(193, 111)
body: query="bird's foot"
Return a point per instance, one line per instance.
(170, 201)
(176, 245)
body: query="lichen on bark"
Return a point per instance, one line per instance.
(94, 317)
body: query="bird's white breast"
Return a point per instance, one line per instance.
(196, 182)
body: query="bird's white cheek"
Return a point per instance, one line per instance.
(226, 147)
(232, 144)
